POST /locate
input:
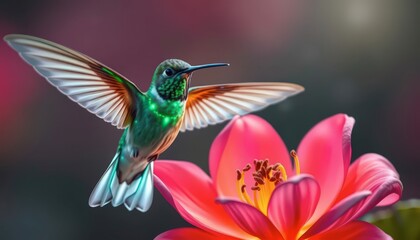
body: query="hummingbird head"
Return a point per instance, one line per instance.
(171, 79)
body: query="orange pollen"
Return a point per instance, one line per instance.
(266, 177)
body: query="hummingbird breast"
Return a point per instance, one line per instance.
(157, 125)
(154, 128)
(148, 142)
(153, 135)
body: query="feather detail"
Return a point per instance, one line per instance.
(217, 103)
(84, 80)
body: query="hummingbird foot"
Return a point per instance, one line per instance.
(134, 152)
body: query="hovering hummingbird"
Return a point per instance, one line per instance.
(151, 120)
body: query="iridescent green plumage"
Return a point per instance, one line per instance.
(172, 90)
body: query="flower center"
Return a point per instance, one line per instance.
(266, 177)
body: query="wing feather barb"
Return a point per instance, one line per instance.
(208, 105)
(84, 80)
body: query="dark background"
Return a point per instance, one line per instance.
(358, 57)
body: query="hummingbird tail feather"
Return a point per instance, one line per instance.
(102, 194)
(142, 198)
(136, 195)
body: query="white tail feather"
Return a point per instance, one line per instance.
(136, 195)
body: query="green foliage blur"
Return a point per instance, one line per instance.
(402, 221)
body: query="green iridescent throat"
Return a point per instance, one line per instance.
(172, 116)
(173, 89)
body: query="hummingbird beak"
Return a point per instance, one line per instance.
(193, 68)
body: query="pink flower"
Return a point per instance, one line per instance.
(255, 193)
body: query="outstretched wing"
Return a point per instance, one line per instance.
(84, 80)
(217, 103)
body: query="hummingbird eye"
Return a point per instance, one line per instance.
(168, 72)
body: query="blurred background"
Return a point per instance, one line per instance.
(357, 57)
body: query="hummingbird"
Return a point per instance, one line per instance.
(150, 120)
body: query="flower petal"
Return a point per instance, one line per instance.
(375, 173)
(189, 234)
(250, 219)
(354, 230)
(243, 140)
(368, 172)
(329, 219)
(292, 203)
(325, 154)
(183, 185)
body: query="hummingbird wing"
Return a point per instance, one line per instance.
(84, 80)
(217, 103)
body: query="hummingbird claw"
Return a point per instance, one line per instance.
(134, 153)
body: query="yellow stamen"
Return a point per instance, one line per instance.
(283, 172)
(266, 177)
(296, 161)
(247, 198)
(240, 184)
(257, 205)
(267, 195)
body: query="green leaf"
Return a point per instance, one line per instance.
(402, 221)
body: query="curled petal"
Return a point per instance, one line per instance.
(375, 173)
(325, 154)
(250, 219)
(329, 219)
(243, 140)
(191, 192)
(292, 204)
(356, 230)
(371, 172)
(190, 234)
